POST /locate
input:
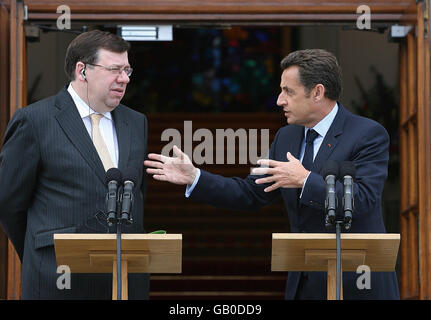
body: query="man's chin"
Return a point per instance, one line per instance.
(112, 104)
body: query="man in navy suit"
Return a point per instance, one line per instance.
(319, 129)
(52, 171)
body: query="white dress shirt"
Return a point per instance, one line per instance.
(106, 125)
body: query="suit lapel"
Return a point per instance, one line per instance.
(330, 141)
(124, 136)
(70, 121)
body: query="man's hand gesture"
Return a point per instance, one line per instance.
(290, 174)
(178, 170)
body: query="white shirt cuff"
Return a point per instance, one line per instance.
(189, 188)
(303, 185)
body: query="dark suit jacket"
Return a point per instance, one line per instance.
(53, 181)
(350, 138)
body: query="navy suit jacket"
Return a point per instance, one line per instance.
(350, 138)
(53, 181)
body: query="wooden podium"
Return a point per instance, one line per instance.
(317, 252)
(141, 253)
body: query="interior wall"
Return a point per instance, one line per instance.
(45, 61)
(356, 51)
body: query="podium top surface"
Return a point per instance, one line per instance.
(113, 236)
(344, 236)
(309, 251)
(95, 253)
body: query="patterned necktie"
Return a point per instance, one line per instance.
(99, 143)
(307, 160)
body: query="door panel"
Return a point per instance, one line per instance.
(415, 160)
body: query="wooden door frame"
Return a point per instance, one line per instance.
(214, 11)
(17, 99)
(4, 118)
(13, 81)
(424, 142)
(415, 159)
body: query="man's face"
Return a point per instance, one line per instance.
(298, 108)
(106, 88)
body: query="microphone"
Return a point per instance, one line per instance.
(129, 182)
(347, 173)
(330, 174)
(113, 179)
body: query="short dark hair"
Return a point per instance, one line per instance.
(316, 66)
(85, 48)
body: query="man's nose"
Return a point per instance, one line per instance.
(281, 101)
(123, 77)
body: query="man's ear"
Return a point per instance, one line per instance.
(319, 92)
(80, 69)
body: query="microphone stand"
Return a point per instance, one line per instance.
(119, 225)
(119, 215)
(338, 243)
(127, 219)
(123, 215)
(331, 204)
(338, 225)
(119, 284)
(330, 220)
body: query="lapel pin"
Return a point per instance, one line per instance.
(329, 145)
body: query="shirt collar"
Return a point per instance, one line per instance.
(323, 126)
(83, 108)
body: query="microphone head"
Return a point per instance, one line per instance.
(330, 168)
(131, 174)
(113, 174)
(347, 168)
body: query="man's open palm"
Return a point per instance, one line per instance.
(178, 170)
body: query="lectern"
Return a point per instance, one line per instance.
(141, 253)
(317, 252)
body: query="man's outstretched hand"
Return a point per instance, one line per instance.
(178, 170)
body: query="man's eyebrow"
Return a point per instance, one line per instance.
(120, 65)
(287, 89)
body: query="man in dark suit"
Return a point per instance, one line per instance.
(53, 165)
(319, 129)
